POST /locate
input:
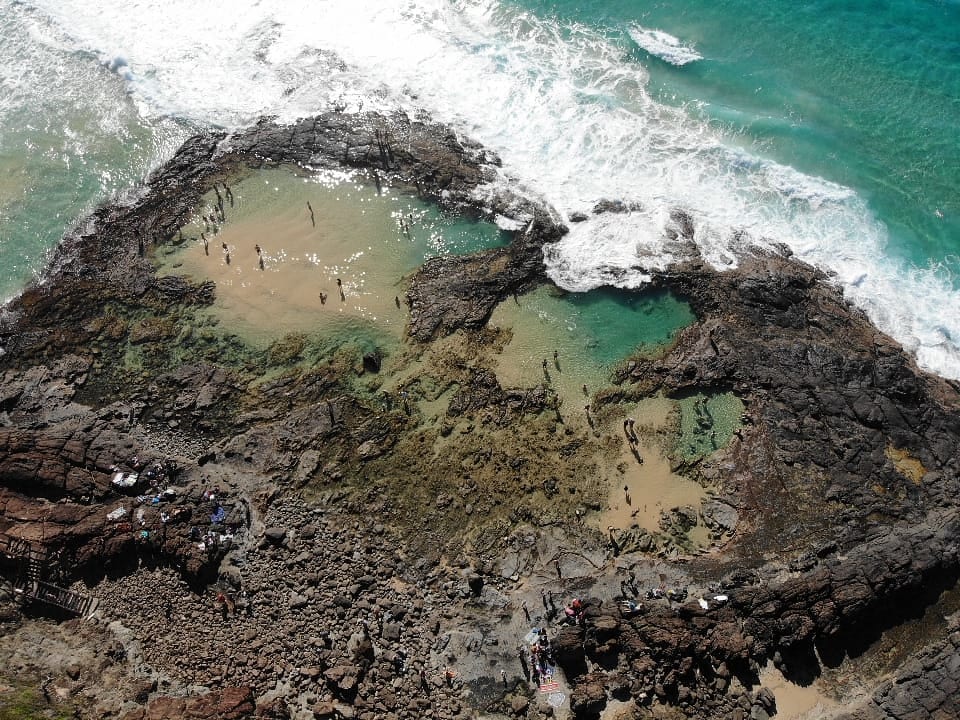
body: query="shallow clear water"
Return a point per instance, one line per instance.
(278, 270)
(591, 332)
(70, 136)
(707, 423)
(614, 324)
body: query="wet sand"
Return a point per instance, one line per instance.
(651, 486)
(795, 702)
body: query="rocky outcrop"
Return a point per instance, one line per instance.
(331, 610)
(925, 688)
(840, 488)
(57, 491)
(684, 654)
(461, 291)
(102, 262)
(844, 437)
(226, 704)
(845, 468)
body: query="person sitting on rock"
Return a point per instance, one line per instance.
(574, 611)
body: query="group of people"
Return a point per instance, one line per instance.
(539, 662)
(537, 653)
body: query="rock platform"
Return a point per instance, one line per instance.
(307, 550)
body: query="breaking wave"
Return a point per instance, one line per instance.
(664, 46)
(566, 107)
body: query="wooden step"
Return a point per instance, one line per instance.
(77, 603)
(34, 569)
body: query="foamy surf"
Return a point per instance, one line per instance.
(664, 46)
(566, 108)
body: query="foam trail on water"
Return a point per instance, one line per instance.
(664, 46)
(69, 137)
(566, 107)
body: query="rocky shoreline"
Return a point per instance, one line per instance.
(313, 559)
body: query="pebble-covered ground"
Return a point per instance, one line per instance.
(314, 603)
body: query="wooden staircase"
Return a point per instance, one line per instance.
(31, 559)
(15, 547)
(34, 569)
(43, 592)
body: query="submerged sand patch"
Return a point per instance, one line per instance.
(796, 702)
(543, 347)
(572, 342)
(641, 491)
(707, 423)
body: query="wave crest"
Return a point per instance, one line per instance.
(567, 110)
(664, 46)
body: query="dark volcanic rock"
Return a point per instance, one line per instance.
(569, 651)
(927, 687)
(830, 401)
(840, 488)
(372, 361)
(589, 697)
(275, 534)
(831, 406)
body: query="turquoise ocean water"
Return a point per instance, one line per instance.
(866, 94)
(832, 127)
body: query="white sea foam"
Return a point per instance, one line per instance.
(567, 109)
(664, 45)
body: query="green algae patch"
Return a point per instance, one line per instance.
(26, 703)
(151, 329)
(287, 349)
(456, 455)
(707, 423)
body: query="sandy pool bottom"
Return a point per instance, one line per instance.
(571, 344)
(296, 253)
(641, 491)
(797, 702)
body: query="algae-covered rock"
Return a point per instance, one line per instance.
(151, 329)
